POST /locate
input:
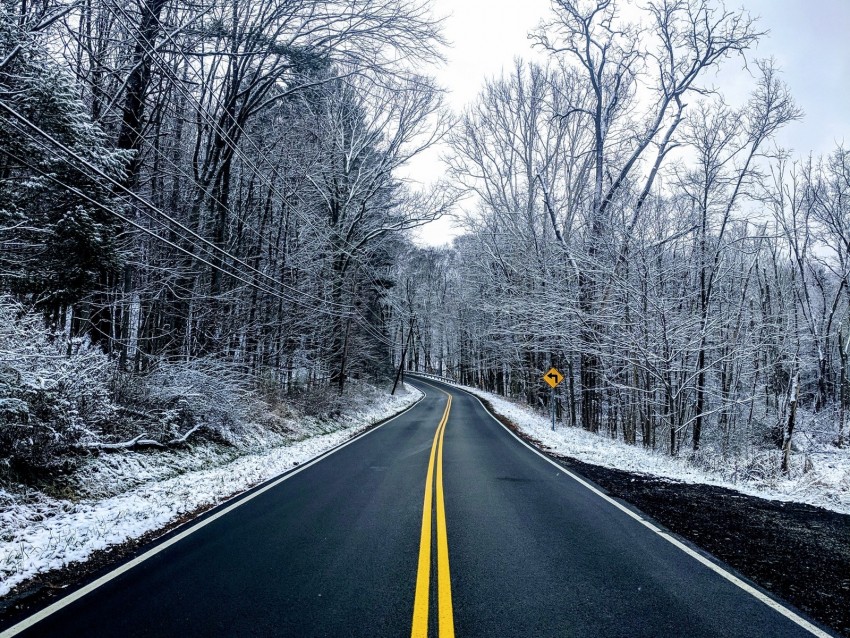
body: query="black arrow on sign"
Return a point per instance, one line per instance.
(553, 376)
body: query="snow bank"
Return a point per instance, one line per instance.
(826, 484)
(40, 533)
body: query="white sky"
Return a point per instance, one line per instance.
(810, 40)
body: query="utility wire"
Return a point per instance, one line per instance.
(144, 202)
(237, 275)
(133, 223)
(151, 50)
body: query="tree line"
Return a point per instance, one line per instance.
(220, 182)
(630, 227)
(215, 179)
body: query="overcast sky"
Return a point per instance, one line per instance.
(810, 40)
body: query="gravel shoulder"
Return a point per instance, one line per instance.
(799, 552)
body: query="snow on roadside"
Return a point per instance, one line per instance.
(826, 485)
(44, 533)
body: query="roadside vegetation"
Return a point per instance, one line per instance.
(640, 229)
(199, 216)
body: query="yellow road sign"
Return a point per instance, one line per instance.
(553, 377)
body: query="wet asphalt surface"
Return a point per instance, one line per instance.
(332, 551)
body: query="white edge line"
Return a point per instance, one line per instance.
(241, 499)
(767, 600)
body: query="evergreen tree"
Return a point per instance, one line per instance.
(58, 236)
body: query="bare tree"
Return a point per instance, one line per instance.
(628, 69)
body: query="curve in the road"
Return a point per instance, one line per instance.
(335, 548)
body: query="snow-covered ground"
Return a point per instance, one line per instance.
(40, 533)
(826, 484)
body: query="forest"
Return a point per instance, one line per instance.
(650, 240)
(199, 195)
(213, 194)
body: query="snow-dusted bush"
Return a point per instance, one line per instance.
(52, 397)
(61, 400)
(204, 396)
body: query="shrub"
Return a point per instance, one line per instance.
(51, 399)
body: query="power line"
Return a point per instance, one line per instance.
(357, 317)
(144, 202)
(152, 52)
(133, 223)
(231, 143)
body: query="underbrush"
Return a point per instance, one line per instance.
(51, 401)
(67, 411)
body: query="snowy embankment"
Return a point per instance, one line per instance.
(826, 483)
(41, 533)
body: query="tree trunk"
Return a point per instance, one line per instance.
(789, 425)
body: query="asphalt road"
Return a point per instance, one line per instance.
(501, 542)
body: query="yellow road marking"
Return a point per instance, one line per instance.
(423, 572)
(444, 585)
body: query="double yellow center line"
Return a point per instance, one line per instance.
(423, 574)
